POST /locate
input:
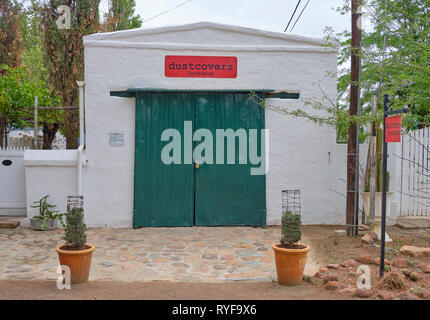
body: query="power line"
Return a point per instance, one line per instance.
(173, 8)
(300, 15)
(292, 16)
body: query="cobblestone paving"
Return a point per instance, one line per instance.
(204, 254)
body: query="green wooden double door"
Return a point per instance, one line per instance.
(184, 194)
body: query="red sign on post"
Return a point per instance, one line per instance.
(200, 66)
(393, 126)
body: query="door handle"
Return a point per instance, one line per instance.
(196, 165)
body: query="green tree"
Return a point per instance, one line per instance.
(33, 54)
(120, 15)
(17, 95)
(10, 33)
(64, 53)
(395, 58)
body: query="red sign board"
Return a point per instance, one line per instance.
(200, 67)
(393, 126)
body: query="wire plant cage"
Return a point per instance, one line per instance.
(75, 202)
(75, 227)
(291, 201)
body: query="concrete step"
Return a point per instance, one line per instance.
(23, 221)
(8, 224)
(413, 222)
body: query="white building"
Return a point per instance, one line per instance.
(133, 93)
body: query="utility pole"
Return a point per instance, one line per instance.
(353, 142)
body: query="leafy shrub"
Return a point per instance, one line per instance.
(45, 211)
(291, 229)
(75, 229)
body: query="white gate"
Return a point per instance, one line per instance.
(12, 182)
(415, 174)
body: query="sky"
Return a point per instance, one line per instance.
(271, 15)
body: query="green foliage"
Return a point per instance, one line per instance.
(394, 55)
(29, 36)
(121, 16)
(291, 228)
(64, 54)
(395, 59)
(33, 54)
(17, 94)
(45, 211)
(308, 279)
(10, 35)
(75, 229)
(324, 112)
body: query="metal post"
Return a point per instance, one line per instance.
(384, 180)
(384, 191)
(373, 163)
(36, 128)
(81, 85)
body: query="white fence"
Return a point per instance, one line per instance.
(12, 182)
(415, 176)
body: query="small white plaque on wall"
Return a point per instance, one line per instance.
(116, 139)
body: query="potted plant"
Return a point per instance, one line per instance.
(290, 256)
(47, 218)
(76, 253)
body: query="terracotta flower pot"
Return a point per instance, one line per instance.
(79, 262)
(290, 264)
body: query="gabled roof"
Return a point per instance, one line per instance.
(221, 33)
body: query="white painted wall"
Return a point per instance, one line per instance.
(266, 60)
(399, 184)
(339, 180)
(12, 182)
(52, 172)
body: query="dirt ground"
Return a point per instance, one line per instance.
(330, 249)
(103, 290)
